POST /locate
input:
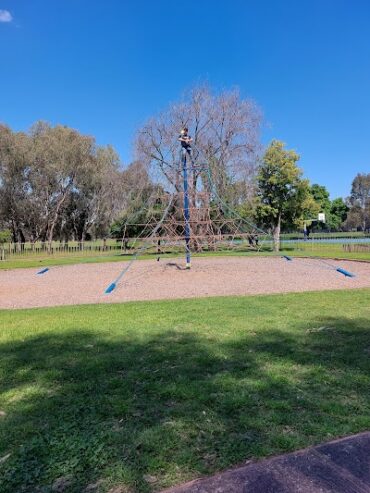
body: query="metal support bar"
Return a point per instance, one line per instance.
(186, 209)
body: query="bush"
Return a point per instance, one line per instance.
(5, 236)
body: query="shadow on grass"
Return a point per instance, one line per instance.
(174, 406)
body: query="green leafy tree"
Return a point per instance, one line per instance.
(335, 211)
(57, 183)
(5, 237)
(14, 169)
(284, 195)
(321, 195)
(338, 213)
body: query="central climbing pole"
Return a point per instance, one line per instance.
(186, 208)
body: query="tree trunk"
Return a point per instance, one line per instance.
(124, 242)
(58, 207)
(14, 231)
(22, 238)
(49, 242)
(277, 234)
(50, 234)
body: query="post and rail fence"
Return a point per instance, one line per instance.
(337, 243)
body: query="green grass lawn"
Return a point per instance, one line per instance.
(309, 249)
(40, 261)
(321, 234)
(145, 395)
(324, 250)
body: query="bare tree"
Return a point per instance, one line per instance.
(225, 131)
(359, 201)
(225, 146)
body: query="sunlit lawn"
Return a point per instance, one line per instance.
(310, 249)
(149, 394)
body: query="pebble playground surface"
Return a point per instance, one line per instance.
(167, 279)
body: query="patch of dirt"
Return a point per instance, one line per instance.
(152, 280)
(120, 489)
(61, 484)
(93, 487)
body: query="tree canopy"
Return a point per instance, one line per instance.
(56, 183)
(284, 195)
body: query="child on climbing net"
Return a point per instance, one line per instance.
(185, 140)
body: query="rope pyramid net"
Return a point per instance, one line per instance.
(197, 219)
(213, 223)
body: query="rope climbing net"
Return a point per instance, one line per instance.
(196, 218)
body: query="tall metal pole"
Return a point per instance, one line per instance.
(186, 209)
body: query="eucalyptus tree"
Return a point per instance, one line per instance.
(96, 197)
(14, 185)
(61, 159)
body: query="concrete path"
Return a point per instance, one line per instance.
(341, 466)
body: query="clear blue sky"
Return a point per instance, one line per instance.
(104, 67)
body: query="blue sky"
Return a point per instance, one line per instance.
(105, 67)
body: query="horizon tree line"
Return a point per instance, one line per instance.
(57, 184)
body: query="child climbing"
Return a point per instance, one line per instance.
(185, 140)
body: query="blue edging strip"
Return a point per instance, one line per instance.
(43, 271)
(345, 272)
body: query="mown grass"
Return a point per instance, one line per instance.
(45, 260)
(145, 395)
(309, 249)
(321, 249)
(322, 234)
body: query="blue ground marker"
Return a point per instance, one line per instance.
(287, 258)
(110, 288)
(43, 271)
(345, 272)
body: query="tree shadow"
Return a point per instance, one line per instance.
(86, 406)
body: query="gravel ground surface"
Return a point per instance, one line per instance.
(152, 280)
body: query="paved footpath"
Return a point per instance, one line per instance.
(341, 466)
